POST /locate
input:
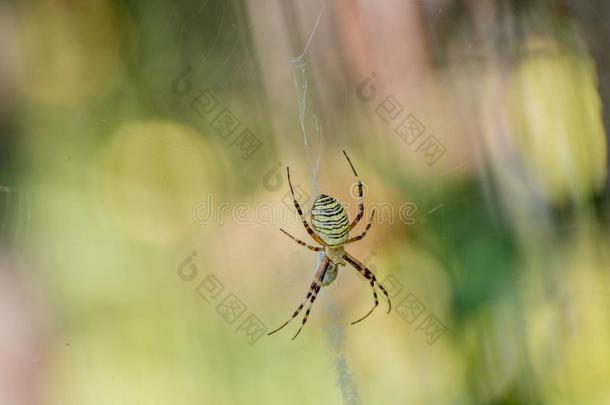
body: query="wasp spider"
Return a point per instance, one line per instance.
(330, 228)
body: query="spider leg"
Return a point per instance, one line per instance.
(313, 298)
(360, 196)
(363, 234)
(311, 295)
(300, 242)
(374, 306)
(298, 310)
(298, 207)
(369, 276)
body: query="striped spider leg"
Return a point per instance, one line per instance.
(330, 228)
(360, 196)
(311, 295)
(298, 207)
(371, 277)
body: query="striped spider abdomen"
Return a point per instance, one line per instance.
(329, 220)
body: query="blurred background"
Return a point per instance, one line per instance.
(142, 188)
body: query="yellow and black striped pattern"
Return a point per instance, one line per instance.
(330, 221)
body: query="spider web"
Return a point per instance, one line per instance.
(335, 329)
(299, 74)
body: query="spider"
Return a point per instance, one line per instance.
(331, 229)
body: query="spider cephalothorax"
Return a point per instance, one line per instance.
(331, 229)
